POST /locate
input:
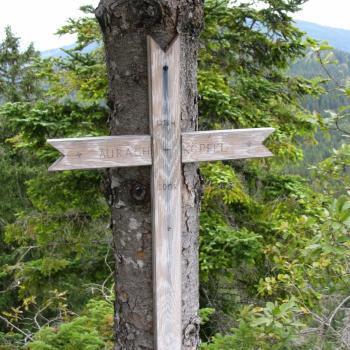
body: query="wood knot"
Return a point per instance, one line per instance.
(191, 333)
(138, 192)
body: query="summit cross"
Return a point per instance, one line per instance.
(165, 149)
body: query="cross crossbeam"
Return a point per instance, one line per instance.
(135, 150)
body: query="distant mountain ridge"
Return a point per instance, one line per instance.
(338, 38)
(56, 52)
(59, 52)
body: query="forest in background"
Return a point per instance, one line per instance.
(274, 243)
(332, 66)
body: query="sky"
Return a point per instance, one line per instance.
(37, 20)
(331, 13)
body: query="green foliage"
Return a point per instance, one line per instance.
(273, 246)
(338, 67)
(242, 78)
(205, 313)
(332, 174)
(223, 247)
(90, 331)
(259, 328)
(332, 67)
(10, 340)
(54, 227)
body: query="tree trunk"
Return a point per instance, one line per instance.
(125, 25)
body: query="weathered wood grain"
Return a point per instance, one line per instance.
(102, 152)
(224, 144)
(124, 151)
(164, 87)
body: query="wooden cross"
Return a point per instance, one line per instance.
(166, 148)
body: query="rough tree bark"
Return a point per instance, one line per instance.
(125, 25)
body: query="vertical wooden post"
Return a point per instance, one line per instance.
(164, 88)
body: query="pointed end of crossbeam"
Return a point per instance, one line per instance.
(266, 153)
(263, 133)
(54, 143)
(270, 130)
(56, 166)
(225, 144)
(267, 133)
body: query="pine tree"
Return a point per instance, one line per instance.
(18, 76)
